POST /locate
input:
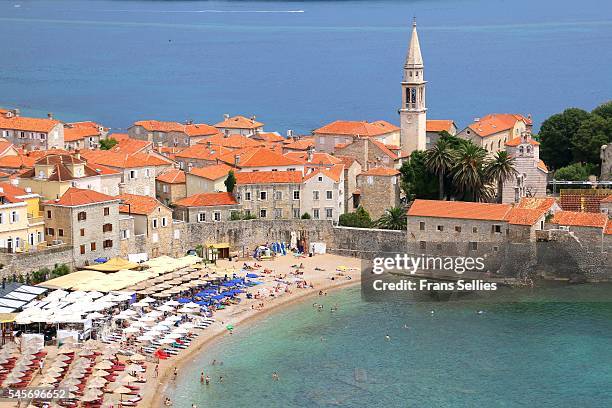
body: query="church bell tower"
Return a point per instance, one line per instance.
(413, 113)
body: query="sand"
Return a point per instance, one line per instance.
(153, 392)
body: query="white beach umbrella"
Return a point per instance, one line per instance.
(173, 318)
(138, 324)
(140, 304)
(166, 341)
(136, 357)
(188, 325)
(165, 308)
(134, 367)
(172, 303)
(148, 299)
(174, 335)
(131, 329)
(95, 316)
(145, 337)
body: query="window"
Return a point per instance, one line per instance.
(457, 228)
(1, 218)
(50, 231)
(201, 217)
(177, 234)
(475, 230)
(473, 246)
(82, 249)
(93, 246)
(108, 243)
(217, 216)
(496, 229)
(263, 195)
(49, 214)
(154, 223)
(296, 213)
(60, 232)
(370, 180)
(320, 178)
(82, 232)
(278, 195)
(164, 221)
(495, 249)
(315, 213)
(296, 194)
(247, 196)
(107, 227)
(164, 188)
(262, 213)
(106, 211)
(440, 228)
(422, 226)
(132, 174)
(14, 216)
(315, 195)
(422, 245)
(82, 216)
(125, 234)
(329, 213)
(329, 194)
(278, 213)
(439, 247)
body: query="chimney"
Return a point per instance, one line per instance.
(1, 189)
(159, 147)
(237, 160)
(50, 115)
(310, 153)
(289, 134)
(226, 116)
(189, 167)
(16, 112)
(77, 153)
(28, 190)
(209, 144)
(476, 119)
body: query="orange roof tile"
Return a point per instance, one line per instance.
(233, 141)
(269, 177)
(335, 172)
(517, 141)
(496, 122)
(524, 216)
(239, 122)
(138, 204)
(160, 126)
(207, 200)
(539, 203)
(202, 152)
(354, 128)
(11, 193)
(347, 160)
(300, 144)
(459, 210)
(380, 171)
(122, 160)
(5, 146)
(607, 199)
(388, 126)
(80, 130)
(17, 162)
(119, 136)
(542, 166)
(438, 125)
(174, 176)
(214, 172)
(200, 129)
(258, 157)
(77, 196)
(383, 147)
(609, 228)
(271, 137)
(580, 219)
(44, 125)
(321, 158)
(130, 146)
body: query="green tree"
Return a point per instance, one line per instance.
(230, 182)
(440, 160)
(394, 219)
(556, 135)
(500, 170)
(40, 275)
(306, 216)
(593, 132)
(60, 270)
(107, 144)
(575, 172)
(469, 175)
(360, 219)
(604, 110)
(416, 180)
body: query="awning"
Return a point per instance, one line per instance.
(113, 265)
(220, 245)
(7, 317)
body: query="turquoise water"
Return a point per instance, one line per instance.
(300, 64)
(516, 354)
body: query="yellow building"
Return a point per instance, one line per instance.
(21, 222)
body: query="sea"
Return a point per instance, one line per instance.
(546, 347)
(299, 64)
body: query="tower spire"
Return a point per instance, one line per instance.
(414, 58)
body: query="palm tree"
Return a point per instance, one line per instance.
(439, 160)
(393, 219)
(468, 173)
(500, 170)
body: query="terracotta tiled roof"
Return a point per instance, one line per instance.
(542, 166)
(130, 146)
(269, 177)
(160, 126)
(607, 199)
(258, 157)
(524, 216)
(119, 136)
(609, 228)
(4, 175)
(22, 123)
(80, 130)
(383, 147)
(321, 158)
(122, 160)
(200, 129)
(174, 176)
(536, 203)
(580, 219)
(11, 193)
(4, 146)
(239, 122)
(78, 196)
(300, 144)
(334, 172)
(380, 171)
(496, 122)
(438, 125)
(459, 210)
(347, 160)
(354, 128)
(17, 162)
(517, 141)
(59, 159)
(214, 172)
(271, 137)
(233, 141)
(207, 200)
(202, 152)
(389, 127)
(138, 204)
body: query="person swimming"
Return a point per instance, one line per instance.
(387, 337)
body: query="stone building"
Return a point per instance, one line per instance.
(152, 221)
(352, 169)
(342, 132)
(323, 193)
(209, 179)
(239, 125)
(199, 155)
(270, 194)
(435, 127)
(369, 153)
(261, 159)
(31, 133)
(83, 135)
(170, 134)
(491, 132)
(206, 207)
(171, 186)
(86, 220)
(606, 162)
(378, 190)
(532, 174)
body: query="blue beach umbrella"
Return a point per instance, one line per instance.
(252, 275)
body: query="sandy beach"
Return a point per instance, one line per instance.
(153, 392)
